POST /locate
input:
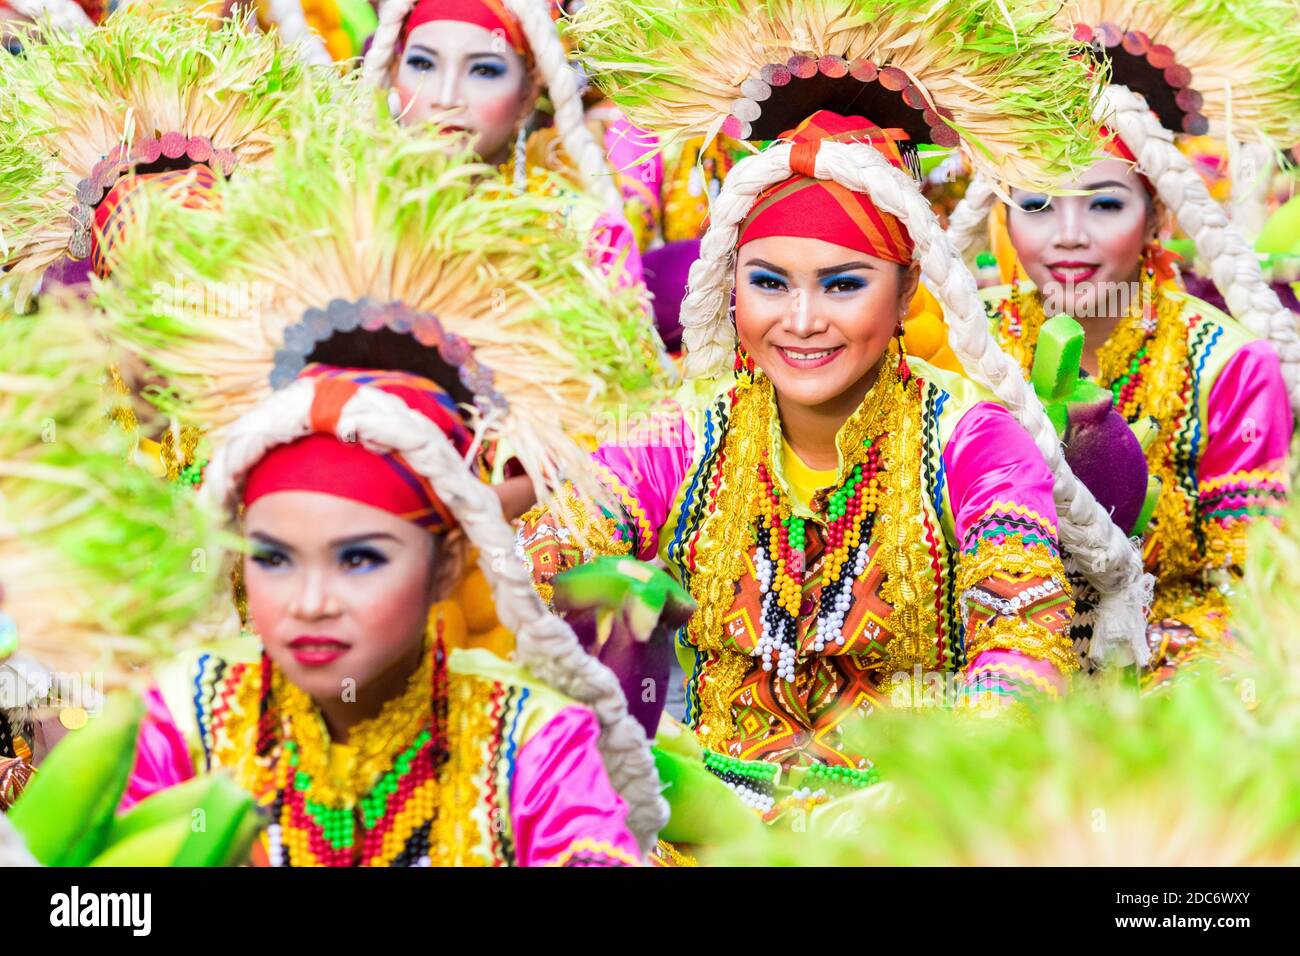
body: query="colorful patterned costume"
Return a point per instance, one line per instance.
(518, 779)
(1217, 397)
(958, 571)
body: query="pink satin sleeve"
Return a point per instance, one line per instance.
(1000, 492)
(612, 247)
(635, 156)
(162, 758)
(989, 460)
(565, 810)
(1249, 416)
(646, 471)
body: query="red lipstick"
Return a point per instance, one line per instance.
(312, 651)
(1067, 272)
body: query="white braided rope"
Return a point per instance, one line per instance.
(1234, 266)
(62, 14)
(544, 643)
(967, 223)
(552, 61)
(1109, 560)
(378, 60)
(292, 25)
(1252, 172)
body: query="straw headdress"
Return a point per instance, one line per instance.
(354, 212)
(137, 92)
(360, 236)
(982, 74)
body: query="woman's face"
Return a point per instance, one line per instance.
(1084, 252)
(817, 317)
(468, 78)
(338, 591)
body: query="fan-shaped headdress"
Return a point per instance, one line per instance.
(994, 76)
(85, 111)
(366, 245)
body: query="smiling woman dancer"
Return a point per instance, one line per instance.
(846, 520)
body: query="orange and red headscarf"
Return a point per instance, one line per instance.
(194, 187)
(812, 208)
(1112, 144)
(323, 463)
(491, 15)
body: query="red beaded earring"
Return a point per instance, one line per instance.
(743, 365)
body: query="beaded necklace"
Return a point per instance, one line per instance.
(781, 536)
(717, 553)
(1144, 361)
(388, 779)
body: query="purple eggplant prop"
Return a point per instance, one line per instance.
(625, 612)
(1102, 450)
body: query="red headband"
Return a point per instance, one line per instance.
(1112, 144)
(323, 463)
(812, 208)
(491, 15)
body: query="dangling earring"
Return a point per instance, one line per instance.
(521, 158)
(743, 365)
(1014, 297)
(904, 371)
(1149, 288)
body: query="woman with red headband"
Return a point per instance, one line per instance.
(1213, 397)
(367, 742)
(359, 487)
(857, 530)
(480, 66)
(842, 518)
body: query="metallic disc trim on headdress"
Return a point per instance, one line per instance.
(1151, 69)
(849, 87)
(120, 161)
(302, 338)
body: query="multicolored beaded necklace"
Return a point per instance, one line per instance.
(755, 782)
(780, 561)
(390, 796)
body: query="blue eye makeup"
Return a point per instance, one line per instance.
(843, 283)
(1035, 203)
(768, 281)
(419, 62)
(361, 558)
(1106, 203)
(488, 70)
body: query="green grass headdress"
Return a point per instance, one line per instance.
(992, 74)
(81, 109)
(350, 217)
(102, 565)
